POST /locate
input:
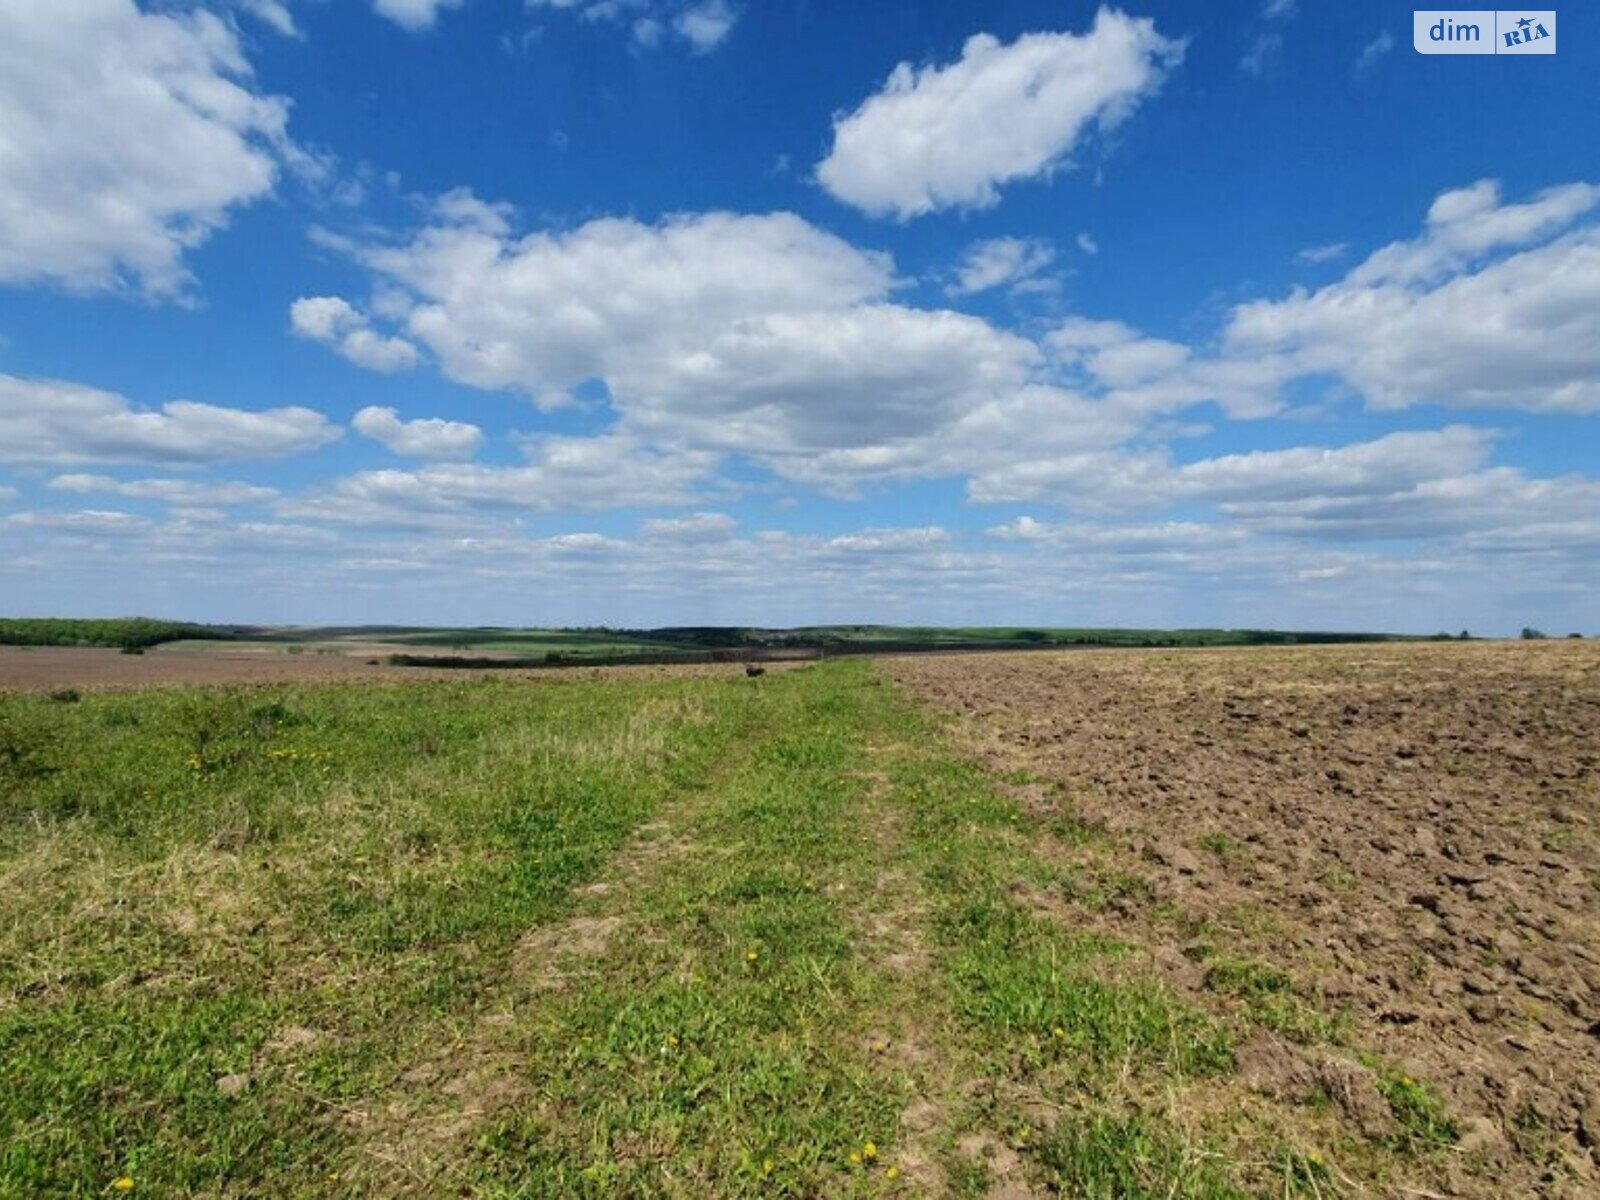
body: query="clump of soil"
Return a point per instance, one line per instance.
(1411, 833)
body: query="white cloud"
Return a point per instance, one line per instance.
(1441, 319)
(84, 521)
(128, 139)
(716, 334)
(1498, 509)
(1466, 224)
(1166, 538)
(335, 322)
(1118, 480)
(1386, 465)
(949, 136)
(415, 15)
(1000, 261)
(1265, 49)
(694, 530)
(702, 25)
(182, 492)
(272, 13)
(888, 541)
(705, 25)
(1374, 50)
(753, 334)
(1114, 354)
(584, 543)
(430, 438)
(565, 474)
(51, 421)
(1087, 244)
(1324, 253)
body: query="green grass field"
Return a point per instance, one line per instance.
(678, 937)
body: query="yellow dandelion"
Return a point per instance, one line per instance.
(869, 1151)
(750, 956)
(1058, 1032)
(1315, 1157)
(855, 1158)
(893, 1173)
(122, 1183)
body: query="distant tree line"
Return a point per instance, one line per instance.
(124, 633)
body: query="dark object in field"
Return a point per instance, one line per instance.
(751, 670)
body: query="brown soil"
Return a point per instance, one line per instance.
(1411, 832)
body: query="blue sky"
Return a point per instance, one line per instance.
(690, 311)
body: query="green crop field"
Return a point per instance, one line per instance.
(689, 936)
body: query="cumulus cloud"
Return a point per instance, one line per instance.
(760, 335)
(89, 521)
(698, 528)
(429, 438)
(1163, 539)
(415, 15)
(1451, 317)
(272, 13)
(335, 322)
(52, 421)
(563, 474)
(129, 138)
(718, 335)
(702, 25)
(888, 541)
(1115, 355)
(1120, 480)
(1000, 261)
(181, 492)
(705, 25)
(949, 136)
(1324, 253)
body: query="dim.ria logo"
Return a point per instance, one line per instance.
(1484, 31)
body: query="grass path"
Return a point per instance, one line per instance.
(679, 939)
(809, 977)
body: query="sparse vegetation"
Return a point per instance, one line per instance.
(1424, 1122)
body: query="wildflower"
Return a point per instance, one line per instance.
(1058, 1032)
(122, 1183)
(855, 1158)
(750, 956)
(767, 1166)
(869, 1151)
(1315, 1158)
(893, 1173)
